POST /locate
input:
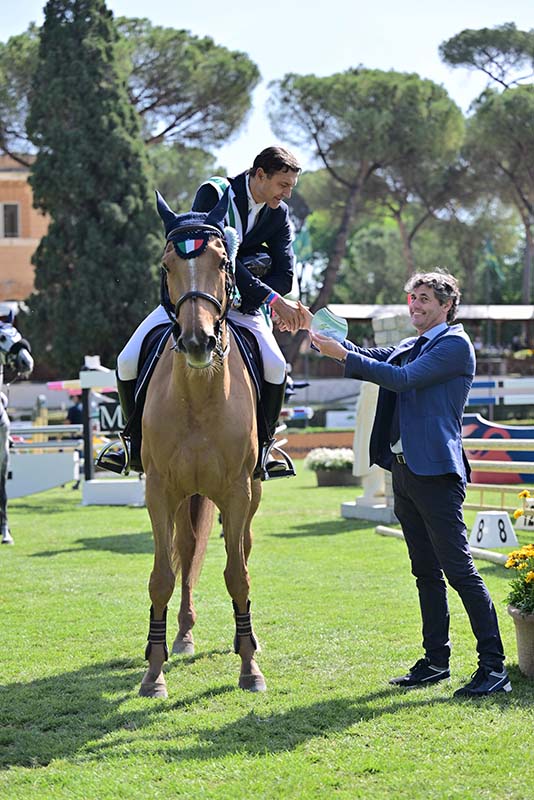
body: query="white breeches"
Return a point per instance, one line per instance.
(274, 364)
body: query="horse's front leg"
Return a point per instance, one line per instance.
(237, 515)
(193, 523)
(160, 587)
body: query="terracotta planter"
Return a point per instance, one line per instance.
(524, 634)
(336, 477)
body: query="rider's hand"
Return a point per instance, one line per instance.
(287, 315)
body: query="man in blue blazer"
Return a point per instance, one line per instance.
(417, 434)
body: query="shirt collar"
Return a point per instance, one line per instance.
(435, 331)
(252, 205)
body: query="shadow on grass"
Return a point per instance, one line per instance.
(78, 712)
(123, 543)
(326, 528)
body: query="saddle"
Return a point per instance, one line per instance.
(152, 349)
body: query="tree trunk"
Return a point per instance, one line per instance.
(527, 269)
(406, 246)
(332, 268)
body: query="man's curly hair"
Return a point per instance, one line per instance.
(445, 288)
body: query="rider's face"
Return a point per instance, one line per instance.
(272, 189)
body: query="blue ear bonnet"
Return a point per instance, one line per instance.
(188, 232)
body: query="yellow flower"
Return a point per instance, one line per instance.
(529, 577)
(518, 513)
(524, 493)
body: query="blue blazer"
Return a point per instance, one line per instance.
(432, 392)
(271, 234)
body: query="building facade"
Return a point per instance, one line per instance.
(21, 228)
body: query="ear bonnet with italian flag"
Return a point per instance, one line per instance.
(188, 233)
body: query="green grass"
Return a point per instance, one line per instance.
(335, 608)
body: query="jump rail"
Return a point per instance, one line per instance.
(526, 467)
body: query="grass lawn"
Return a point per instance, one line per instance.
(335, 608)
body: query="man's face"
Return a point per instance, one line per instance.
(425, 309)
(272, 189)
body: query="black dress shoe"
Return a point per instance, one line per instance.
(421, 674)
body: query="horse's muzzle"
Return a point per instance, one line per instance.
(198, 353)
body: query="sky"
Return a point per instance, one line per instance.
(319, 37)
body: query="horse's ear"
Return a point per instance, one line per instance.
(167, 214)
(217, 214)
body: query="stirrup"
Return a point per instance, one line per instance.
(271, 467)
(115, 459)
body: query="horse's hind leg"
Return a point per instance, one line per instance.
(237, 517)
(193, 523)
(160, 587)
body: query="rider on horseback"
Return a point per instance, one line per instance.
(264, 273)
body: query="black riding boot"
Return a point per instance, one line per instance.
(121, 458)
(272, 399)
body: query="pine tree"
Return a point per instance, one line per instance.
(96, 269)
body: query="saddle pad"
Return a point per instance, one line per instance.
(151, 350)
(250, 353)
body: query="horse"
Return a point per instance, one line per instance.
(200, 442)
(15, 355)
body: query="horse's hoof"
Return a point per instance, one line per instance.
(252, 683)
(183, 647)
(157, 688)
(7, 539)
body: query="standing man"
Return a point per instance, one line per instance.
(417, 434)
(264, 273)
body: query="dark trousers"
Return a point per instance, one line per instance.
(429, 509)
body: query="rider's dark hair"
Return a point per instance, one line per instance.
(445, 288)
(275, 159)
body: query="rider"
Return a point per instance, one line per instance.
(264, 273)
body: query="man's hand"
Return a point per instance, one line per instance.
(287, 316)
(304, 318)
(328, 346)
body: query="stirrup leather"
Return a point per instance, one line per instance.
(272, 467)
(113, 459)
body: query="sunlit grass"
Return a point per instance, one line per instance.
(335, 609)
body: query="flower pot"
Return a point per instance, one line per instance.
(336, 477)
(524, 633)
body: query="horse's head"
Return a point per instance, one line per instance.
(14, 350)
(200, 278)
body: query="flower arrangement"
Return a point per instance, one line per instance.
(329, 459)
(528, 508)
(521, 594)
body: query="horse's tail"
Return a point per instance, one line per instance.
(201, 514)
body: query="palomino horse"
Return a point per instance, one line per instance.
(200, 443)
(14, 354)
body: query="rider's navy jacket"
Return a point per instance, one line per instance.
(271, 233)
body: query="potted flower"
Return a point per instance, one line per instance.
(332, 466)
(520, 598)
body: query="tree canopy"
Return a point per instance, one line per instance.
(94, 278)
(184, 88)
(503, 53)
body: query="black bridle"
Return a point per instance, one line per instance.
(195, 294)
